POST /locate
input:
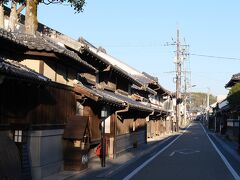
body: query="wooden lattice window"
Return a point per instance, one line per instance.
(19, 136)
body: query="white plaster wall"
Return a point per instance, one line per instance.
(32, 64)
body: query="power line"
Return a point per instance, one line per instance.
(216, 57)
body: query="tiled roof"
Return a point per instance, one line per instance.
(107, 59)
(150, 76)
(16, 70)
(144, 88)
(159, 109)
(5, 35)
(236, 76)
(40, 43)
(116, 98)
(132, 103)
(143, 79)
(114, 67)
(235, 79)
(147, 79)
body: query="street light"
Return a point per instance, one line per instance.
(104, 114)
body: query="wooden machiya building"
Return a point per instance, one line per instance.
(159, 122)
(126, 123)
(38, 105)
(227, 116)
(110, 88)
(19, 88)
(63, 127)
(115, 78)
(53, 89)
(51, 105)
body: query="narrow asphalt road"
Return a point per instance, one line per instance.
(191, 156)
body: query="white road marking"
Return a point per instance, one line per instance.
(126, 164)
(230, 168)
(188, 152)
(172, 153)
(184, 151)
(150, 159)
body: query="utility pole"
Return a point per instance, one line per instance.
(178, 82)
(185, 97)
(187, 82)
(180, 55)
(207, 108)
(208, 93)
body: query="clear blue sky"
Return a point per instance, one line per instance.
(135, 32)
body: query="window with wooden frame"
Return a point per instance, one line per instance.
(19, 136)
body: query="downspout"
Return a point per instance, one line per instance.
(122, 110)
(126, 109)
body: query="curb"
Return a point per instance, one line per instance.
(233, 152)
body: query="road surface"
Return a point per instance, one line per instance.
(191, 156)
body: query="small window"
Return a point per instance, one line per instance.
(19, 136)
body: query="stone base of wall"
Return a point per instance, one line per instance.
(127, 141)
(46, 152)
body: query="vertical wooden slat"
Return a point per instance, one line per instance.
(41, 67)
(26, 103)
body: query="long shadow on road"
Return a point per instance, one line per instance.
(125, 163)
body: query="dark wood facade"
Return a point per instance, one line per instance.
(36, 106)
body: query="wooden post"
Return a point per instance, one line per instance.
(103, 141)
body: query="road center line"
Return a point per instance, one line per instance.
(150, 159)
(233, 172)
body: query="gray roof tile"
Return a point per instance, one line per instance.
(235, 79)
(117, 98)
(41, 43)
(16, 70)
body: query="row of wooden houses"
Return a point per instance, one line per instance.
(225, 115)
(53, 89)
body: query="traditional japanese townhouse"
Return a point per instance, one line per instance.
(115, 77)
(230, 109)
(52, 60)
(120, 122)
(136, 86)
(218, 117)
(159, 121)
(225, 116)
(35, 113)
(65, 114)
(128, 127)
(19, 87)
